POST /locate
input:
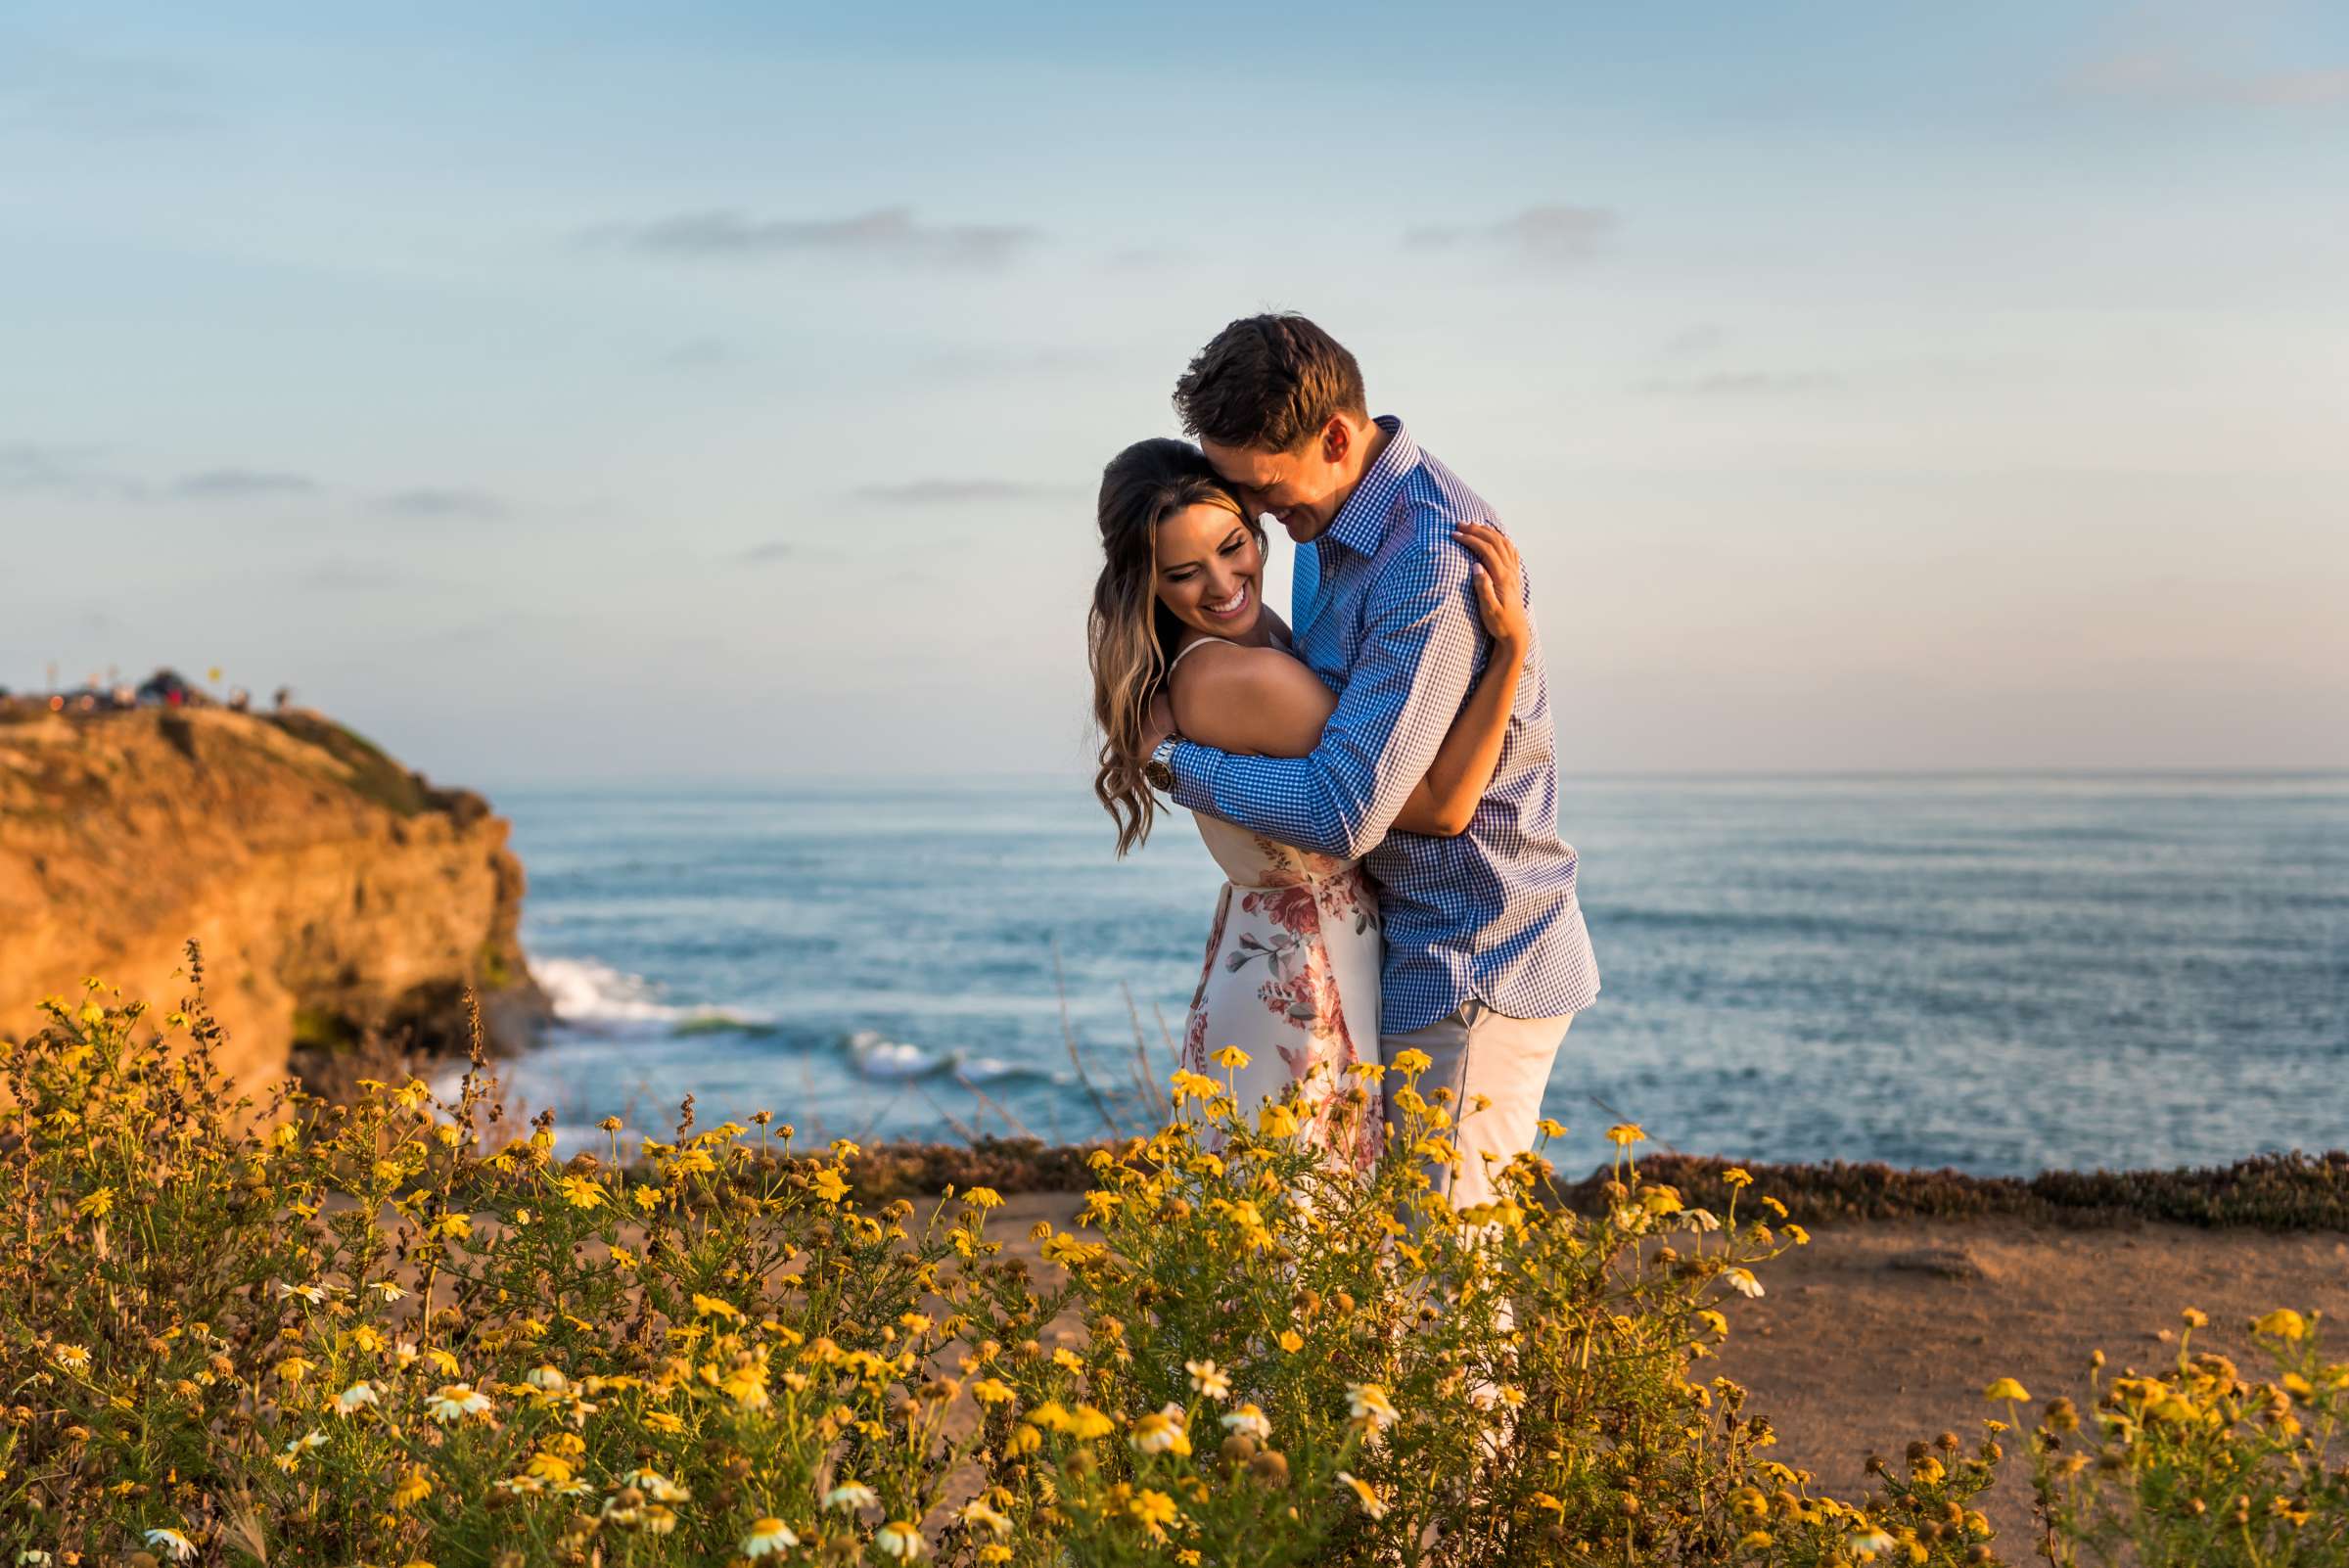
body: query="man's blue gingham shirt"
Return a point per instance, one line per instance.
(1489, 915)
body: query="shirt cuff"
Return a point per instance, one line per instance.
(1194, 768)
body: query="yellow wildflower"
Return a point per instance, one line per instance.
(551, 1468)
(2282, 1323)
(982, 1514)
(1277, 1121)
(1162, 1433)
(1190, 1085)
(2006, 1388)
(1153, 1511)
(1368, 1404)
(1372, 1503)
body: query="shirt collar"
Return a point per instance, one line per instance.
(1362, 523)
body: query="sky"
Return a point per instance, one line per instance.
(584, 392)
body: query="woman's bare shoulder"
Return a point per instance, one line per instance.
(1225, 685)
(1218, 665)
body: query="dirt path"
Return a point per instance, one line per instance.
(1885, 1331)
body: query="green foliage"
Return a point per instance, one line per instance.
(369, 773)
(2271, 1191)
(2205, 1466)
(375, 1332)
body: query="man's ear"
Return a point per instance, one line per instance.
(1337, 440)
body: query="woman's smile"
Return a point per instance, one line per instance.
(1233, 608)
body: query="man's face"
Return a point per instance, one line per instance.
(1302, 490)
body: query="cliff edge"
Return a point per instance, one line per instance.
(337, 895)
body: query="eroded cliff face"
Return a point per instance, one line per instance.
(334, 895)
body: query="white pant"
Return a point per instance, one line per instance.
(1478, 1052)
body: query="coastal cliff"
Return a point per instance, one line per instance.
(338, 897)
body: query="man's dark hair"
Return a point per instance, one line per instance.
(1268, 382)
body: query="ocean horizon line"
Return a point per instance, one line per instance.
(1008, 778)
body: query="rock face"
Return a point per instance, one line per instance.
(336, 895)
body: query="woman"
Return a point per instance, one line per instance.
(1292, 971)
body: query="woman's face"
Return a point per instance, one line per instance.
(1209, 570)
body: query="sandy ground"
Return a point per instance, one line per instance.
(1885, 1331)
(1881, 1332)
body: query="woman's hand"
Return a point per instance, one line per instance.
(1500, 586)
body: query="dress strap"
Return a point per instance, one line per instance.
(1187, 648)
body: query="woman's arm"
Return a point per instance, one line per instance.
(1265, 702)
(1447, 798)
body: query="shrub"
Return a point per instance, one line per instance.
(2202, 1467)
(334, 1334)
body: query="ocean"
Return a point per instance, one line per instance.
(1998, 974)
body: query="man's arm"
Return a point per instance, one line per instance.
(1410, 676)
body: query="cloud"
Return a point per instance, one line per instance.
(434, 505)
(1743, 384)
(956, 492)
(2163, 75)
(239, 485)
(772, 551)
(698, 353)
(888, 233)
(343, 573)
(34, 466)
(47, 86)
(1545, 236)
(1699, 341)
(68, 472)
(75, 470)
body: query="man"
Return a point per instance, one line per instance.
(1486, 960)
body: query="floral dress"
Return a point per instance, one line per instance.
(1291, 978)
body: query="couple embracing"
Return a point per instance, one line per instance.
(1379, 780)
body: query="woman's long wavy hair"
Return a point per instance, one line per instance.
(1130, 634)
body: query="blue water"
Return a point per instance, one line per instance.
(2003, 975)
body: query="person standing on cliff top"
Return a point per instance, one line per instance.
(1414, 670)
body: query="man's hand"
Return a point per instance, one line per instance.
(1159, 724)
